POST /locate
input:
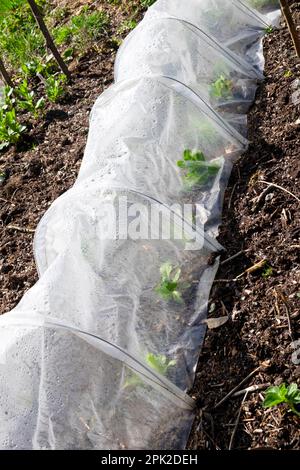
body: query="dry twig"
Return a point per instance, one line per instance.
(279, 296)
(237, 422)
(233, 257)
(235, 389)
(280, 187)
(251, 389)
(20, 229)
(291, 25)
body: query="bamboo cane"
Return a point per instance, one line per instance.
(291, 25)
(5, 74)
(49, 41)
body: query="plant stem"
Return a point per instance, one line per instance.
(291, 25)
(5, 74)
(49, 41)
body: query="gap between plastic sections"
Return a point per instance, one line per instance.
(161, 383)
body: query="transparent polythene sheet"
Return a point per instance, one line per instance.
(264, 7)
(60, 390)
(117, 297)
(94, 356)
(142, 154)
(233, 24)
(176, 49)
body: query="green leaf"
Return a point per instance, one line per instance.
(221, 88)
(293, 393)
(164, 292)
(187, 155)
(177, 275)
(170, 285)
(40, 103)
(166, 270)
(177, 296)
(132, 381)
(159, 363)
(274, 396)
(292, 388)
(199, 171)
(3, 145)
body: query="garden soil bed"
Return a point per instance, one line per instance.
(38, 175)
(260, 223)
(263, 225)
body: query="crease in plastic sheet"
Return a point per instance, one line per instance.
(74, 353)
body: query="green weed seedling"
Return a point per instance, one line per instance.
(35, 67)
(158, 362)
(127, 25)
(221, 88)
(20, 38)
(267, 271)
(10, 129)
(269, 29)
(55, 87)
(198, 170)
(26, 100)
(169, 287)
(29, 69)
(3, 177)
(82, 29)
(68, 54)
(283, 395)
(9, 99)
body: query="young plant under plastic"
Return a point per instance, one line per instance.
(170, 285)
(198, 170)
(221, 88)
(158, 362)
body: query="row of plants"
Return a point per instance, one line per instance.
(283, 394)
(280, 395)
(23, 100)
(33, 76)
(195, 169)
(26, 54)
(23, 48)
(171, 289)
